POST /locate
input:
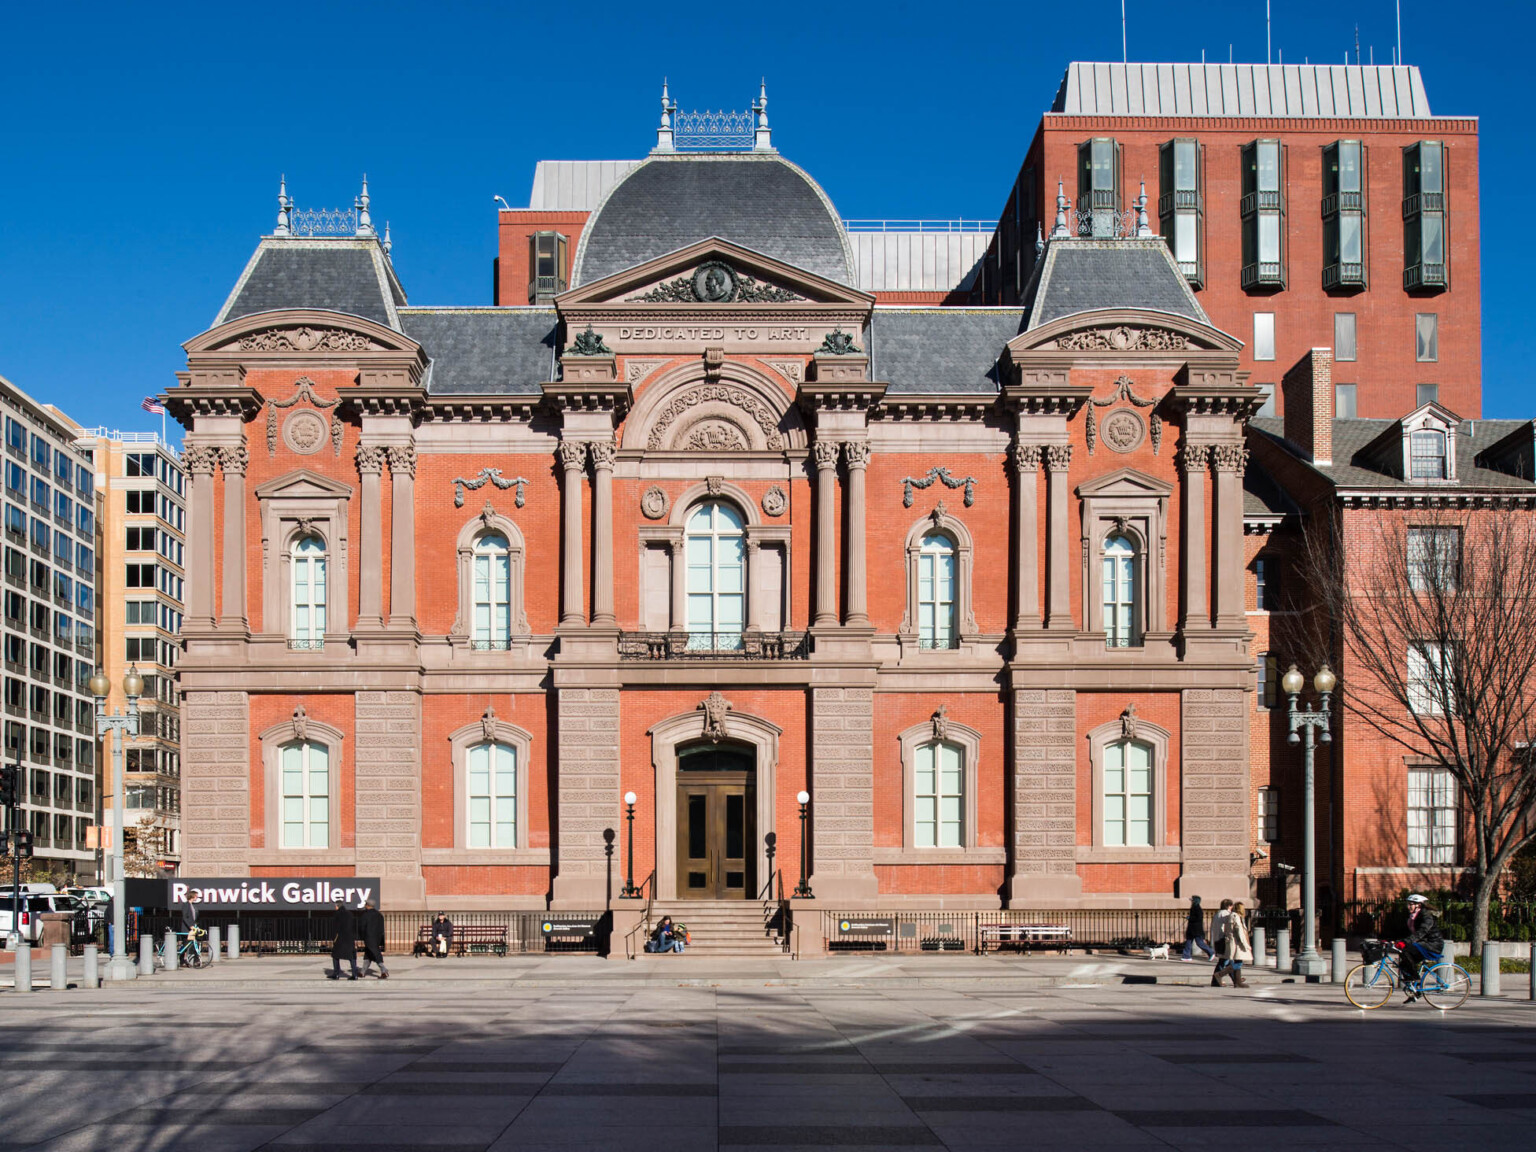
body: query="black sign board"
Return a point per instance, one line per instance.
(586, 928)
(275, 894)
(866, 926)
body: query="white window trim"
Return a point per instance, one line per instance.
(1427, 688)
(462, 632)
(965, 550)
(969, 741)
(272, 741)
(520, 740)
(1160, 850)
(1454, 807)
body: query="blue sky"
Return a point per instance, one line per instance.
(140, 145)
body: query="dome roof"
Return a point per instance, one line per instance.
(763, 203)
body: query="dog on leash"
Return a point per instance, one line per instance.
(1158, 952)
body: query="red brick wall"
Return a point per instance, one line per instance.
(339, 711)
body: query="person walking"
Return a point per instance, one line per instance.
(371, 928)
(344, 947)
(1194, 932)
(1219, 934)
(1238, 950)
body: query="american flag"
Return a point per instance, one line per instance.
(152, 405)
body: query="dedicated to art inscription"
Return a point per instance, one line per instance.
(699, 333)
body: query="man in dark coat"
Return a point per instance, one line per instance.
(1194, 931)
(442, 935)
(371, 927)
(1425, 943)
(344, 947)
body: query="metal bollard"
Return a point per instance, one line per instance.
(1490, 985)
(1533, 971)
(1260, 944)
(233, 948)
(1340, 963)
(92, 966)
(146, 955)
(172, 956)
(213, 945)
(1283, 949)
(58, 967)
(23, 968)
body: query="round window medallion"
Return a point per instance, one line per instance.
(774, 501)
(1123, 430)
(304, 432)
(654, 503)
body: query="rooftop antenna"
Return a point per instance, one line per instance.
(1124, 54)
(1399, 31)
(1357, 45)
(1229, 53)
(284, 205)
(1269, 57)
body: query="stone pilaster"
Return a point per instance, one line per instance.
(1043, 868)
(826, 452)
(1227, 537)
(857, 454)
(387, 793)
(843, 796)
(370, 550)
(603, 454)
(200, 460)
(587, 794)
(1213, 801)
(402, 537)
(1025, 459)
(215, 783)
(1193, 461)
(1058, 457)
(233, 616)
(573, 457)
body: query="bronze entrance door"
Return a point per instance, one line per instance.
(716, 822)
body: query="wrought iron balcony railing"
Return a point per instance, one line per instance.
(714, 645)
(1267, 273)
(1344, 275)
(501, 645)
(1421, 202)
(1180, 198)
(306, 645)
(938, 642)
(1261, 202)
(1424, 276)
(1343, 202)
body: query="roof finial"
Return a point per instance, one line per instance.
(1059, 229)
(364, 220)
(283, 206)
(762, 141)
(1143, 229)
(388, 243)
(1039, 239)
(664, 131)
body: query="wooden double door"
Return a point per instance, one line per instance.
(716, 825)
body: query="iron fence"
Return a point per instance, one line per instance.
(1087, 929)
(305, 934)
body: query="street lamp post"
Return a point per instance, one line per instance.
(120, 967)
(630, 890)
(803, 889)
(1307, 728)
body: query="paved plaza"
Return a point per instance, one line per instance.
(577, 1053)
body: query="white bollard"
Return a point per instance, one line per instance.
(23, 968)
(172, 956)
(1260, 944)
(1490, 969)
(1283, 949)
(1533, 971)
(234, 942)
(1340, 963)
(92, 966)
(58, 967)
(146, 955)
(213, 945)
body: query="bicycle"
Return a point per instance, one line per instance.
(190, 953)
(1370, 984)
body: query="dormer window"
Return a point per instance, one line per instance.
(1427, 457)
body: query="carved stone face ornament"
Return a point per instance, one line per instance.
(715, 706)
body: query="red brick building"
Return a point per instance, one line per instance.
(723, 502)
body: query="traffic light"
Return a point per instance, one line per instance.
(23, 844)
(8, 776)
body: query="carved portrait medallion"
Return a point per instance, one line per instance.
(714, 283)
(775, 503)
(305, 432)
(654, 503)
(1123, 430)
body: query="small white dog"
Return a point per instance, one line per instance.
(1158, 952)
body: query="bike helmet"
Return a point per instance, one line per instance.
(1417, 899)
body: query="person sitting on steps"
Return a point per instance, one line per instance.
(666, 938)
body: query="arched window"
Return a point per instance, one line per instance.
(492, 583)
(491, 792)
(936, 592)
(716, 587)
(1121, 627)
(309, 593)
(938, 801)
(1127, 794)
(305, 779)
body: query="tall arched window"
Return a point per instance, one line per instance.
(491, 792)
(716, 577)
(1127, 794)
(938, 800)
(936, 592)
(1121, 629)
(492, 625)
(308, 593)
(305, 777)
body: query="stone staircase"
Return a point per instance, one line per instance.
(723, 927)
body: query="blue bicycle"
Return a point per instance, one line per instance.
(1370, 984)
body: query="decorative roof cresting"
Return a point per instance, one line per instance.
(707, 131)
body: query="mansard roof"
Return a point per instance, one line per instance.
(939, 350)
(1490, 454)
(351, 275)
(484, 351)
(1088, 275)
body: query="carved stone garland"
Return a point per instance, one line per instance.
(1125, 391)
(306, 391)
(1121, 339)
(494, 476)
(715, 283)
(306, 340)
(724, 393)
(942, 475)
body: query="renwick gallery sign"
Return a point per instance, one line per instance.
(271, 893)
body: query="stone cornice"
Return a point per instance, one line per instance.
(934, 406)
(840, 395)
(1234, 399)
(583, 396)
(217, 393)
(1046, 393)
(487, 409)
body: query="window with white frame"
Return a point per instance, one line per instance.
(491, 792)
(305, 777)
(1120, 592)
(715, 547)
(1434, 556)
(492, 592)
(1127, 794)
(1264, 334)
(1431, 691)
(1426, 337)
(1427, 455)
(1431, 816)
(939, 795)
(1267, 815)
(1269, 679)
(936, 592)
(309, 592)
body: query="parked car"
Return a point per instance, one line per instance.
(31, 930)
(97, 902)
(81, 927)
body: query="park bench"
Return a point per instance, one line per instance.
(1022, 936)
(466, 939)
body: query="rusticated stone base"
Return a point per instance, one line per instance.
(388, 795)
(843, 795)
(1044, 865)
(588, 793)
(1214, 801)
(215, 783)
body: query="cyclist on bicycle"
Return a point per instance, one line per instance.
(1424, 943)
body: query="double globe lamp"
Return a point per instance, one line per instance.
(1316, 725)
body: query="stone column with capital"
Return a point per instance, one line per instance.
(1058, 457)
(603, 454)
(200, 461)
(756, 598)
(234, 460)
(857, 454)
(1227, 536)
(573, 457)
(370, 578)
(826, 453)
(1193, 461)
(402, 537)
(1025, 459)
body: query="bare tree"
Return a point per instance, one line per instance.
(143, 849)
(1433, 620)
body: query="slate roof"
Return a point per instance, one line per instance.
(926, 350)
(506, 351)
(1352, 469)
(1086, 275)
(763, 203)
(344, 275)
(1263, 496)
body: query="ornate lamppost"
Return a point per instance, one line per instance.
(1317, 727)
(120, 967)
(803, 889)
(630, 890)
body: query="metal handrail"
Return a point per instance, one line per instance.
(961, 225)
(644, 926)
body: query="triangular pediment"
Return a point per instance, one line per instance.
(1116, 331)
(302, 484)
(1125, 482)
(301, 331)
(712, 273)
